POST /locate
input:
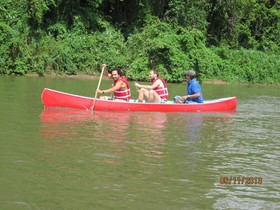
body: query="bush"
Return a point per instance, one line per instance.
(11, 61)
(171, 50)
(249, 66)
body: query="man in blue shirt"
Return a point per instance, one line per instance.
(194, 93)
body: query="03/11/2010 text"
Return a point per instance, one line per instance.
(240, 180)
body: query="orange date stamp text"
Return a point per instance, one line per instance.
(241, 180)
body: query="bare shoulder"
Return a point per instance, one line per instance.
(159, 83)
(121, 83)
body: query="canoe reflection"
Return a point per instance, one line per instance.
(125, 137)
(113, 137)
(65, 115)
(130, 126)
(194, 126)
(107, 123)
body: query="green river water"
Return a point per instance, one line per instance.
(76, 159)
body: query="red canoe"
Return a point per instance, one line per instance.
(53, 98)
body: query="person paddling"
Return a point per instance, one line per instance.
(155, 93)
(121, 87)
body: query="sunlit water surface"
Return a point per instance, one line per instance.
(76, 159)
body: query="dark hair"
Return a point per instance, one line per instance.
(155, 72)
(120, 72)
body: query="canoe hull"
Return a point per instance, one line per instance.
(53, 98)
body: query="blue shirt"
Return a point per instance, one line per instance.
(193, 87)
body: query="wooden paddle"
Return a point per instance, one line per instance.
(99, 82)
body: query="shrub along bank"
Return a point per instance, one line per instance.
(37, 38)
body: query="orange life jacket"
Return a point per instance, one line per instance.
(161, 91)
(122, 93)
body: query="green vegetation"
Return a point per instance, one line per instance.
(225, 40)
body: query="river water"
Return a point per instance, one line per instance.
(76, 159)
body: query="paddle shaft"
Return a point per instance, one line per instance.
(99, 82)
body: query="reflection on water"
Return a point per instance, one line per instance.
(168, 151)
(56, 122)
(141, 133)
(118, 132)
(143, 144)
(73, 159)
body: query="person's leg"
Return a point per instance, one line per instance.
(142, 94)
(178, 99)
(154, 97)
(105, 98)
(120, 100)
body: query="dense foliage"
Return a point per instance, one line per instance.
(233, 40)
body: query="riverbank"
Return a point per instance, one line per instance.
(95, 77)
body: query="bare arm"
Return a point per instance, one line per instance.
(113, 89)
(106, 73)
(150, 87)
